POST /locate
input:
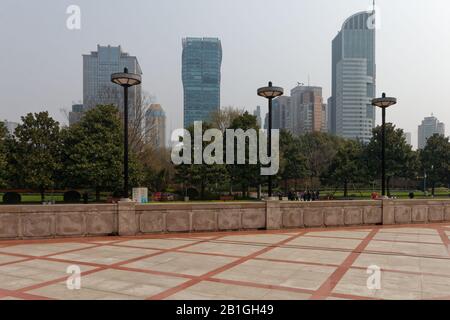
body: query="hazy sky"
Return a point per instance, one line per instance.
(283, 41)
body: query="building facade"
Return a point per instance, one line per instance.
(97, 86)
(10, 126)
(76, 114)
(308, 112)
(429, 127)
(408, 138)
(257, 114)
(201, 64)
(155, 126)
(353, 79)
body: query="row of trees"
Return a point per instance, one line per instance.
(89, 155)
(43, 156)
(316, 160)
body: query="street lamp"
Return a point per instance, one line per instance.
(270, 93)
(126, 80)
(383, 103)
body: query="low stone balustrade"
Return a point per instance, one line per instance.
(128, 218)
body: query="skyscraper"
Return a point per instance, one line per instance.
(97, 86)
(257, 114)
(309, 113)
(202, 60)
(155, 126)
(429, 127)
(10, 126)
(354, 78)
(76, 114)
(408, 138)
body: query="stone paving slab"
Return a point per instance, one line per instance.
(331, 264)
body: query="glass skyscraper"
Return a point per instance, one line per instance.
(354, 78)
(97, 86)
(202, 60)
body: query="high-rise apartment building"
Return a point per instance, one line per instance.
(155, 126)
(429, 127)
(354, 78)
(202, 60)
(97, 86)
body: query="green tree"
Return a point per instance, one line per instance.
(35, 152)
(319, 150)
(292, 160)
(92, 153)
(346, 166)
(401, 161)
(247, 175)
(3, 154)
(435, 160)
(201, 176)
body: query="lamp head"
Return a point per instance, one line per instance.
(384, 102)
(126, 79)
(270, 91)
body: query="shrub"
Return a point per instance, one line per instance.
(12, 198)
(72, 197)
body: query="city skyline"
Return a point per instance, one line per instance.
(246, 63)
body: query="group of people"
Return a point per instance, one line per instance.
(304, 196)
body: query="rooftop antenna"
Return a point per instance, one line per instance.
(309, 80)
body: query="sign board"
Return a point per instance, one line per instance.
(140, 195)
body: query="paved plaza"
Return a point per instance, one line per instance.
(261, 265)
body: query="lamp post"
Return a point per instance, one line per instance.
(125, 80)
(270, 93)
(383, 103)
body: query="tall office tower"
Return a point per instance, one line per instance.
(257, 114)
(282, 113)
(429, 127)
(202, 60)
(408, 138)
(309, 113)
(97, 86)
(155, 126)
(76, 114)
(354, 78)
(10, 126)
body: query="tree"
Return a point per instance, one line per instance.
(36, 152)
(246, 175)
(346, 166)
(292, 160)
(319, 150)
(92, 153)
(3, 154)
(201, 176)
(223, 118)
(435, 160)
(401, 161)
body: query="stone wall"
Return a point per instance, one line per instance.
(128, 218)
(415, 211)
(24, 222)
(200, 217)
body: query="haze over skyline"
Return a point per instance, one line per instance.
(284, 44)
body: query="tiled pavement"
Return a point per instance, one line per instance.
(293, 264)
